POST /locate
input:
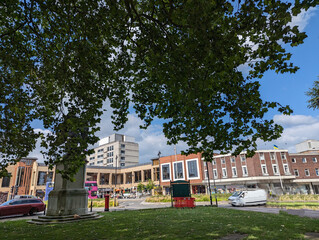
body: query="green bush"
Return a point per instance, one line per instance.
(298, 197)
(198, 197)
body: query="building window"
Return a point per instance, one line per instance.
(234, 171)
(272, 156)
(245, 172)
(317, 171)
(214, 162)
(307, 172)
(109, 160)
(98, 162)
(122, 164)
(122, 151)
(100, 150)
(261, 156)
(224, 171)
(215, 173)
(293, 160)
(122, 145)
(264, 169)
(243, 158)
(283, 155)
(206, 174)
(44, 177)
(286, 169)
(178, 170)
(92, 158)
(100, 156)
(275, 169)
(110, 148)
(304, 160)
(192, 169)
(233, 159)
(122, 158)
(222, 160)
(166, 172)
(314, 159)
(296, 172)
(5, 182)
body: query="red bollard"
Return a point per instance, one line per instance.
(107, 203)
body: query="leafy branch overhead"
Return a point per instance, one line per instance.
(176, 60)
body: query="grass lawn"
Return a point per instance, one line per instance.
(169, 223)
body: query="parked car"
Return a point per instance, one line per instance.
(24, 196)
(250, 197)
(22, 206)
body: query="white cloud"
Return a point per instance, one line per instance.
(297, 128)
(302, 19)
(294, 120)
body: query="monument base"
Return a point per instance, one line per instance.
(42, 220)
(64, 202)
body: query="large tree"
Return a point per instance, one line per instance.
(175, 60)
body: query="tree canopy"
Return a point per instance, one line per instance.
(176, 60)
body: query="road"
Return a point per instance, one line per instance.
(138, 204)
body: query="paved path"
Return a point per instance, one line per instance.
(138, 204)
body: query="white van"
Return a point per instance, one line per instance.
(250, 197)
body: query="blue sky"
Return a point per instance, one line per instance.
(287, 89)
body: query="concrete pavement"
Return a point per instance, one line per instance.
(139, 204)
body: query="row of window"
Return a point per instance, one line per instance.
(110, 154)
(224, 172)
(178, 170)
(272, 156)
(232, 159)
(110, 148)
(275, 169)
(304, 160)
(307, 172)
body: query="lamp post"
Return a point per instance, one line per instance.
(159, 169)
(209, 189)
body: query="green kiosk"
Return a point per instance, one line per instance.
(181, 194)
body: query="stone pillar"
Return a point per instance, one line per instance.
(111, 179)
(68, 198)
(133, 177)
(142, 176)
(98, 178)
(124, 178)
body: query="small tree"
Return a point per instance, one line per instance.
(140, 187)
(150, 185)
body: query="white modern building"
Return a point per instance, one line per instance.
(116, 150)
(308, 146)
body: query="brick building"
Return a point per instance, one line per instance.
(181, 167)
(276, 171)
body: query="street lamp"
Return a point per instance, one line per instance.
(159, 170)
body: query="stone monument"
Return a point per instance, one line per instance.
(68, 201)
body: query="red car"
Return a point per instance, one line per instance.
(21, 206)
